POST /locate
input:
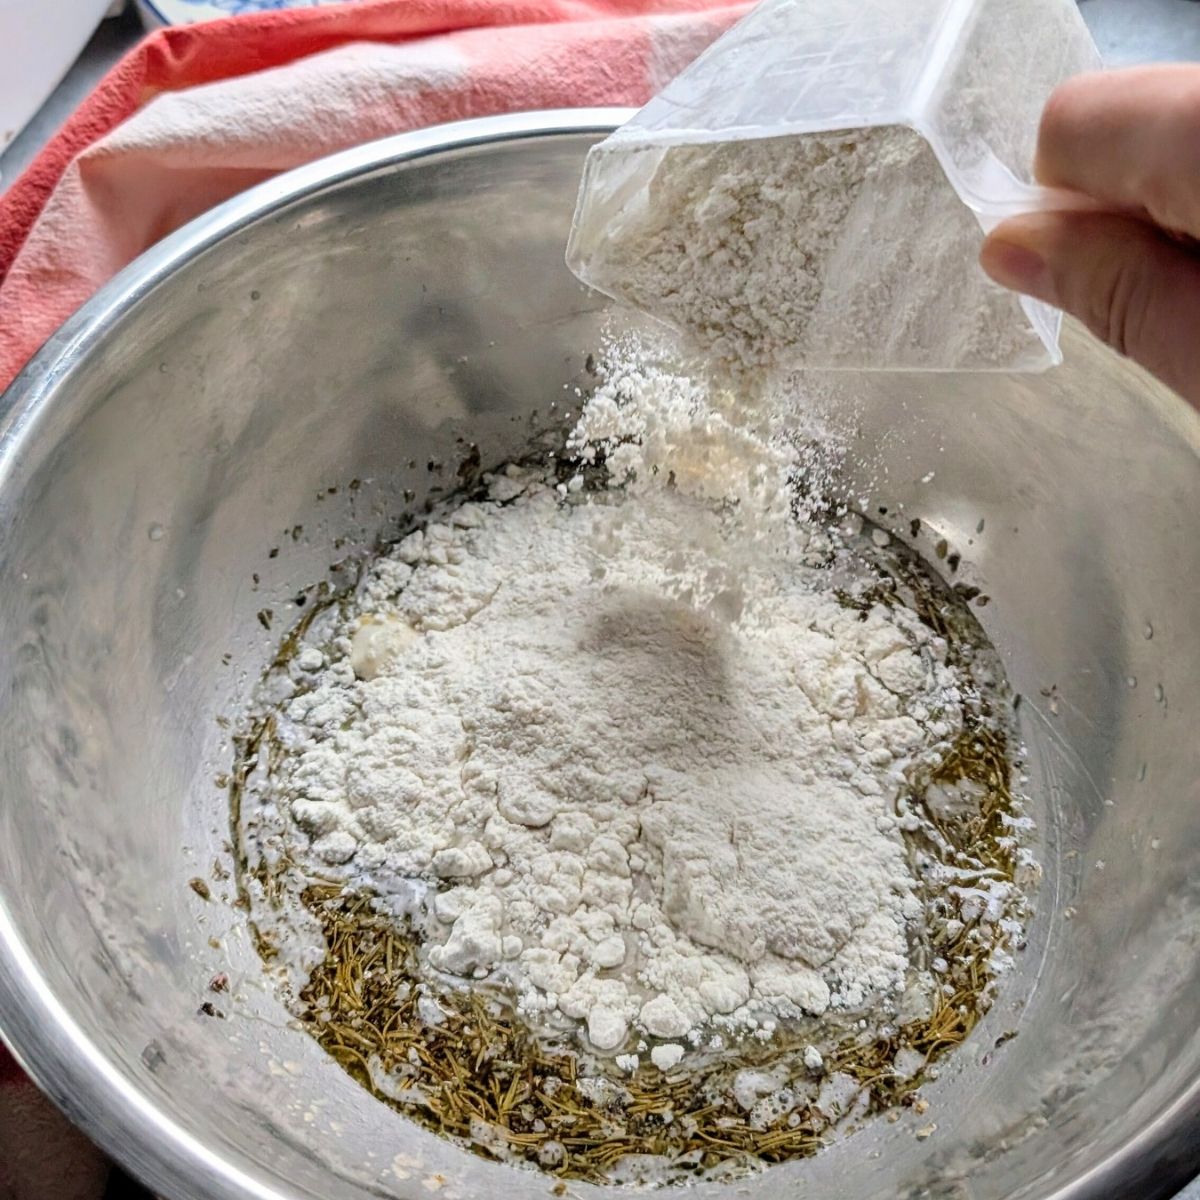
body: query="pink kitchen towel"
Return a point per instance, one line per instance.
(198, 113)
(201, 112)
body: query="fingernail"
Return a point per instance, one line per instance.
(1015, 266)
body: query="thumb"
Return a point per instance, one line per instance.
(1130, 284)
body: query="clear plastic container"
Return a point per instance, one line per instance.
(969, 76)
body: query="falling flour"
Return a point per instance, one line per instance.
(651, 796)
(843, 249)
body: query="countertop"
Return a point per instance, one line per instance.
(1127, 31)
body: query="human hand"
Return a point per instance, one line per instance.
(1130, 140)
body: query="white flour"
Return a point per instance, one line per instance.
(838, 250)
(765, 456)
(651, 806)
(652, 422)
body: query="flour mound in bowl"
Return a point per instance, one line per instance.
(648, 818)
(647, 748)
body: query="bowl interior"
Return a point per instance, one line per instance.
(215, 405)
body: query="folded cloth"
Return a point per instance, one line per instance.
(196, 114)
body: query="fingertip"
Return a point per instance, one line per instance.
(1130, 138)
(1012, 262)
(1059, 117)
(1132, 287)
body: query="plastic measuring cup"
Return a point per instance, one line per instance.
(970, 77)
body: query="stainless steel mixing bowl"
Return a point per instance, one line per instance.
(353, 320)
